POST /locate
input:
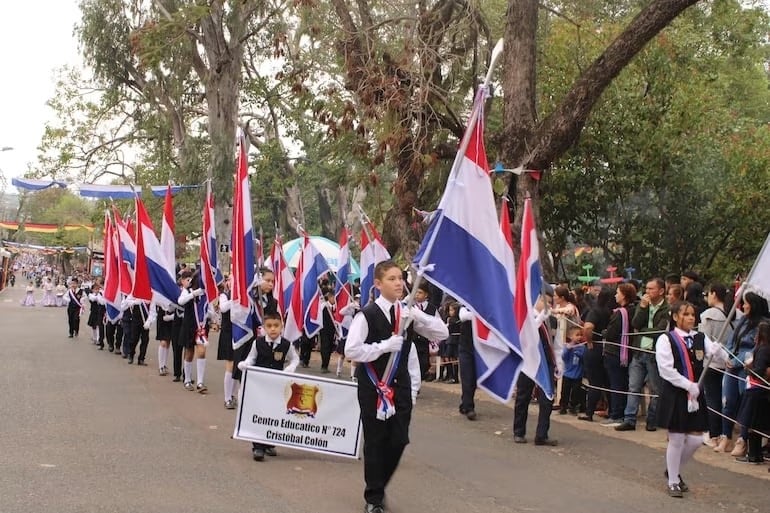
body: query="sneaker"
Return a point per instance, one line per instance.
(270, 451)
(753, 461)
(611, 422)
(674, 490)
(587, 418)
(740, 448)
(229, 404)
(201, 388)
(625, 426)
(724, 444)
(189, 386)
(711, 442)
(258, 453)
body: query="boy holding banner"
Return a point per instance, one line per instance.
(271, 351)
(388, 377)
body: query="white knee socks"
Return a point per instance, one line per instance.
(201, 369)
(188, 372)
(691, 444)
(674, 451)
(228, 386)
(162, 356)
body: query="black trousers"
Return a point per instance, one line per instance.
(100, 331)
(467, 379)
(176, 347)
(423, 356)
(73, 318)
(384, 443)
(524, 388)
(572, 395)
(712, 387)
(114, 334)
(593, 370)
(327, 346)
(305, 348)
(138, 333)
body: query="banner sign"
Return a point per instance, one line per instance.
(299, 411)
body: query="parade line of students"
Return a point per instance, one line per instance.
(602, 348)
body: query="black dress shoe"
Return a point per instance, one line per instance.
(519, 439)
(141, 362)
(270, 451)
(130, 360)
(177, 379)
(650, 428)
(625, 427)
(471, 415)
(682, 485)
(258, 453)
(374, 508)
(546, 441)
(675, 491)
(586, 418)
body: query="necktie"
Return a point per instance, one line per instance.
(393, 318)
(689, 340)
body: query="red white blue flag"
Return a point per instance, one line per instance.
(305, 312)
(529, 284)
(284, 279)
(342, 295)
(372, 253)
(243, 314)
(125, 253)
(112, 294)
(150, 259)
(167, 242)
(464, 248)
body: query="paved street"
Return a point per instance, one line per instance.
(82, 431)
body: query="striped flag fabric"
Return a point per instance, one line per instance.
(464, 247)
(210, 275)
(167, 242)
(342, 295)
(305, 313)
(242, 311)
(112, 294)
(162, 279)
(372, 253)
(284, 279)
(126, 253)
(529, 284)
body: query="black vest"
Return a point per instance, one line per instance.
(380, 329)
(697, 354)
(420, 343)
(466, 335)
(271, 357)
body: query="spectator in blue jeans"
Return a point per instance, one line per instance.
(651, 319)
(739, 346)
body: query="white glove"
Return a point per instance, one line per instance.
(198, 292)
(694, 390)
(392, 344)
(242, 366)
(168, 317)
(692, 405)
(147, 324)
(414, 400)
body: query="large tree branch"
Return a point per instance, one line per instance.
(562, 127)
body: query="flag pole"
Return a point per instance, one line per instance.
(734, 307)
(464, 143)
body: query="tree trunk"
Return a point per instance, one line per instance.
(325, 212)
(536, 145)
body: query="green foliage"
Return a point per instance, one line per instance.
(660, 179)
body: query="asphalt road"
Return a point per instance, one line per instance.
(82, 431)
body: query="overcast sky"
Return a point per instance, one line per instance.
(35, 39)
